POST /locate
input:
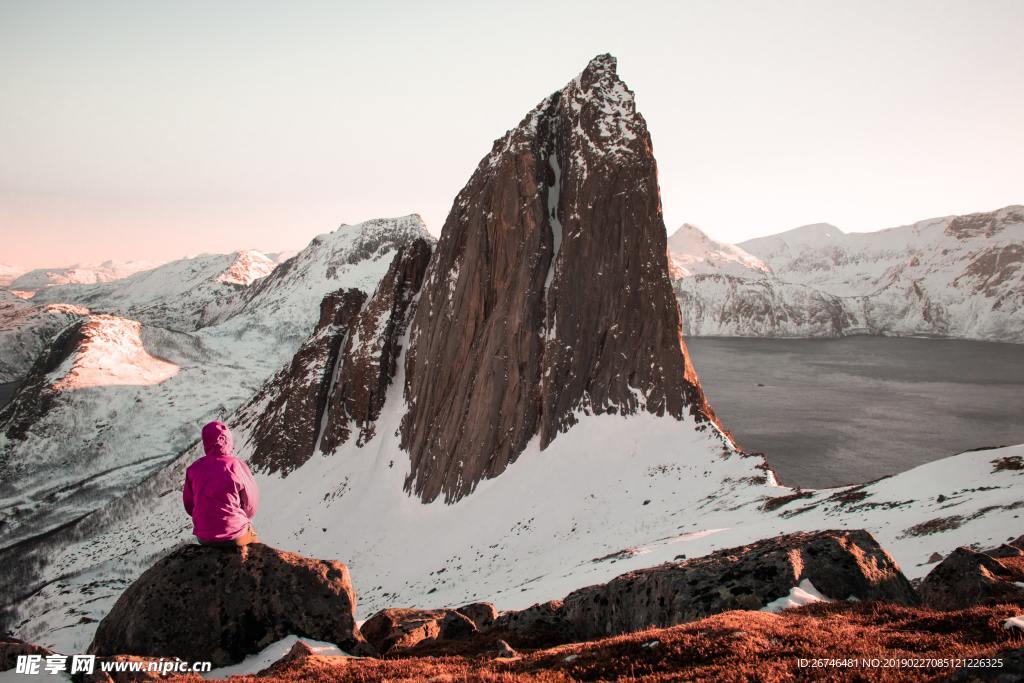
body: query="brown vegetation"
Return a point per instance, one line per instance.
(734, 646)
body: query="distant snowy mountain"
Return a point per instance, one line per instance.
(958, 276)
(107, 271)
(8, 274)
(691, 252)
(180, 295)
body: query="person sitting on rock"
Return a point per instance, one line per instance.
(220, 493)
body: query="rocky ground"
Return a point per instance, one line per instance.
(851, 614)
(734, 646)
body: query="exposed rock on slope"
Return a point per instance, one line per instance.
(101, 350)
(371, 351)
(25, 331)
(285, 415)
(548, 293)
(221, 604)
(839, 564)
(338, 379)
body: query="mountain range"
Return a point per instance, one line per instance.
(507, 413)
(957, 276)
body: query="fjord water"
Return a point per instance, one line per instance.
(7, 392)
(828, 412)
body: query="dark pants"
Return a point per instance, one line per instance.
(245, 539)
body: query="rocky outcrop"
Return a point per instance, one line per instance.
(398, 630)
(548, 293)
(542, 623)
(482, 614)
(967, 578)
(371, 351)
(220, 605)
(12, 648)
(337, 381)
(35, 395)
(26, 330)
(840, 564)
(285, 415)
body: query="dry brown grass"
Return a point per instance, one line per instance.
(735, 646)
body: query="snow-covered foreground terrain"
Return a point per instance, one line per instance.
(612, 494)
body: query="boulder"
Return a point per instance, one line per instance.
(222, 604)
(397, 630)
(967, 578)
(840, 564)
(482, 614)
(541, 624)
(12, 648)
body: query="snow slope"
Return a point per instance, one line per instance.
(26, 329)
(115, 424)
(691, 252)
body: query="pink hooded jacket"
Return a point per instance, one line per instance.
(219, 490)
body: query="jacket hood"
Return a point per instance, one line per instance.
(217, 441)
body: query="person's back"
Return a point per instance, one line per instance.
(220, 493)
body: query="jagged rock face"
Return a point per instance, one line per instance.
(284, 433)
(371, 351)
(840, 564)
(222, 604)
(338, 380)
(548, 293)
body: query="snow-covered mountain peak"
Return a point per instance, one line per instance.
(247, 267)
(111, 352)
(79, 274)
(813, 236)
(692, 252)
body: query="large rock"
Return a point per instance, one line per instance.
(967, 578)
(12, 648)
(222, 604)
(840, 565)
(548, 293)
(395, 630)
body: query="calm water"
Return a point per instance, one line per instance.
(839, 411)
(6, 392)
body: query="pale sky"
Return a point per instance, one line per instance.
(152, 130)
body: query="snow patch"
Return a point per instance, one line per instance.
(804, 594)
(272, 653)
